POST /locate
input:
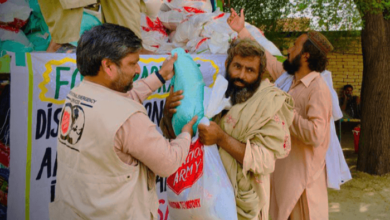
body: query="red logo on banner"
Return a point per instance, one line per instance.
(190, 171)
(65, 122)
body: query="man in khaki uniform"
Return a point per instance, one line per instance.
(64, 17)
(108, 149)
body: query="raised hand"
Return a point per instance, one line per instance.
(166, 70)
(235, 21)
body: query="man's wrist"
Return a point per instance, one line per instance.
(244, 33)
(220, 136)
(160, 77)
(238, 31)
(169, 127)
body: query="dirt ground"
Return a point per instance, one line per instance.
(365, 197)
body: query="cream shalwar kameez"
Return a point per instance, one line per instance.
(299, 185)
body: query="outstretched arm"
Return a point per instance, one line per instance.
(145, 87)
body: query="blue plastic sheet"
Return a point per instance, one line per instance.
(189, 79)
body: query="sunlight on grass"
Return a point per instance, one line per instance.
(364, 207)
(334, 207)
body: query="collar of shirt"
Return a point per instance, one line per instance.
(106, 88)
(307, 79)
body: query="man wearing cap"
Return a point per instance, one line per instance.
(299, 189)
(298, 184)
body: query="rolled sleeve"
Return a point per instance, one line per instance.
(271, 143)
(258, 160)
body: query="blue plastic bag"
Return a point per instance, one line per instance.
(40, 40)
(189, 79)
(36, 29)
(15, 47)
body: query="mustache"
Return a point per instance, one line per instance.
(241, 81)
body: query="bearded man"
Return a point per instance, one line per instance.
(253, 133)
(299, 185)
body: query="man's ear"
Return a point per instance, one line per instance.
(108, 67)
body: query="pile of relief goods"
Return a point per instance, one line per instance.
(23, 28)
(14, 16)
(192, 25)
(197, 26)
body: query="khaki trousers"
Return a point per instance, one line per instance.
(64, 24)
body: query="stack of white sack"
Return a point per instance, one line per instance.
(262, 40)
(210, 33)
(197, 30)
(153, 34)
(152, 8)
(13, 16)
(173, 12)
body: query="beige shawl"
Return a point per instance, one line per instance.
(251, 125)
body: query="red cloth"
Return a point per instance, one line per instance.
(4, 155)
(356, 136)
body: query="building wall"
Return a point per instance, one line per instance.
(347, 68)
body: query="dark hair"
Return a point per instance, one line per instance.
(247, 48)
(109, 41)
(317, 60)
(348, 86)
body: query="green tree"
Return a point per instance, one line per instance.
(342, 19)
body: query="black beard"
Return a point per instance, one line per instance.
(119, 86)
(128, 87)
(241, 94)
(292, 67)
